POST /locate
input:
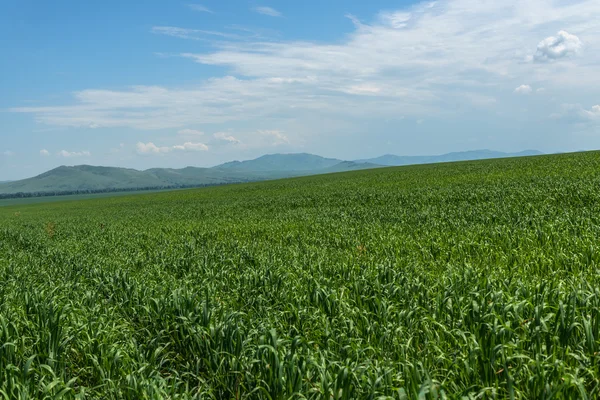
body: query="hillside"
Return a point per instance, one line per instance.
(466, 280)
(93, 178)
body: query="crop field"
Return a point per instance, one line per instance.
(463, 280)
(71, 197)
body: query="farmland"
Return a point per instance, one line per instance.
(473, 279)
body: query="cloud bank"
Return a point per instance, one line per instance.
(432, 60)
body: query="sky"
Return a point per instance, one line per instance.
(158, 83)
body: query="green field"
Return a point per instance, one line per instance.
(71, 197)
(472, 279)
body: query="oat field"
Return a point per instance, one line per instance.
(474, 280)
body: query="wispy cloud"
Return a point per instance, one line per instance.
(200, 8)
(73, 154)
(117, 150)
(271, 12)
(151, 149)
(276, 136)
(578, 114)
(428, 61)
(192, 34)
(44, 153)
(8, 153)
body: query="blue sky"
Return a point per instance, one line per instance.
(170, 84)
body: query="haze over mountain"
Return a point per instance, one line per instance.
(392, 160)
(84, 178)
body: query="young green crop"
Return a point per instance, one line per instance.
(463, 280)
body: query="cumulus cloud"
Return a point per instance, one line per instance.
(189, 146)
(150, 148)
(556, 47)
(190, 132)
(73, 154)
(523, 89)
(271, 12)
(44, 153)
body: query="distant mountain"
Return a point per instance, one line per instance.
(346, 166)
(86, 178)
(392, 160)
(282, 162)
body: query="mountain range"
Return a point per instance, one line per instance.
(86, 178)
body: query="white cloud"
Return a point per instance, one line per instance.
(189, 146)
(556, 47)
(225, 137)
(395, 20)
(422, 62)
(277, 137)
(200, 8)
(8, 153)
(576, 113)
(44, 152)
(593, 113)
(151, 148)
(523, 89)
(271, 12)
(73, 154)
(190, 132)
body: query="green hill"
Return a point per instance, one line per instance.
(82, 178)
(86, 178)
